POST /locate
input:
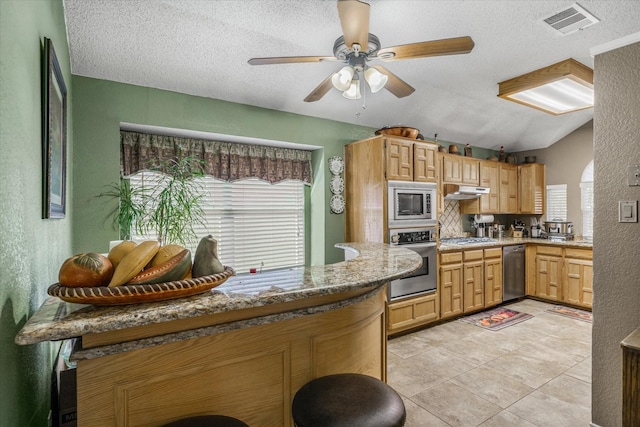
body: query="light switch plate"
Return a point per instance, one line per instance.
(628, 211)
(634, 175)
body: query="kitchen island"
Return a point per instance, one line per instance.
(242, 349)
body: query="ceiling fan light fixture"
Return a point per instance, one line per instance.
(342, 79)
(375, 79)
(354, 90)
(557, 89)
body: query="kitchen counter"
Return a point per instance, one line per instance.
(242, 349)
(507, 241)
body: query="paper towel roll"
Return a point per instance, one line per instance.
(483, 219)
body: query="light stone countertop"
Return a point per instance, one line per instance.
(632, 341)
(375, 265)
(507, 241)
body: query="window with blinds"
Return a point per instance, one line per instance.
(257, 224)
(586, 192)
(557, 202)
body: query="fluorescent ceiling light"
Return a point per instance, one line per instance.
(557, 89)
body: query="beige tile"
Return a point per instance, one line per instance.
(474, 351)
(500, 340)
(526, 368)
(455, 405)
(504, 419)
(581, 371)
(544, 410)
(408, 345)
(442, 362)
(417, 416)
(409, 377)
(530, 306)
(562, 353)
(497, 389)
(570, 390)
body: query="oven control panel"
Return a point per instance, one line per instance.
(412, 236)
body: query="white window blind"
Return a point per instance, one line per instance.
(586, 192)
(257, 224)
(557, 202)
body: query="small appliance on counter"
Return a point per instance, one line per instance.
(536, 230)
(558, 230)
(482, 224)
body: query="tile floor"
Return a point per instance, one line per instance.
(534, 373)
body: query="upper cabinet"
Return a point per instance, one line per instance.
(411, 160)
(487, 203)
(532, 188)
(460, 170)
(508, 188)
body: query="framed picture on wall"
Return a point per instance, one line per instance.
(54, 135)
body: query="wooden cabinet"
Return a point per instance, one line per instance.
(425, 164)
(409, 160)
(460, 170)
(412, 312)
(531, 189)
(487, 203)
(470, 281)
(578, 277)
(473, 276)
(492, 277)
(561, 274)
(450, 289)
(399, 159)
(508, 198)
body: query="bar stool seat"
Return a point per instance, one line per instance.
(207, 421)
(347, 400)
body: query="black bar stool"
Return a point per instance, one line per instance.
(207, 421)
(347, 400)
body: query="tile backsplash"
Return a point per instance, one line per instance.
(450, 219)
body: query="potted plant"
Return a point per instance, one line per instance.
(171, 208)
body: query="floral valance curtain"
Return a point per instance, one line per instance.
(223, 160)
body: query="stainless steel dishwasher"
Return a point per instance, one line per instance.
(513, 272)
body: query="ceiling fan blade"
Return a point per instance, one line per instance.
(290, 59)
(395, 84)
(454, 46)
(321, 90)
(354, 18)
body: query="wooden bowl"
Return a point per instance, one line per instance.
(403, 131)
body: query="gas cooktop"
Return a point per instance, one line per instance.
(467, 240)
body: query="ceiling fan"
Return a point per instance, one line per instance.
(356, 47)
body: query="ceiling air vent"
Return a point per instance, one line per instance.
(571, 20)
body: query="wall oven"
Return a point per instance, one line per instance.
(411, 204)
(424, 280)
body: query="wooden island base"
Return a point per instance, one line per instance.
(251, 374)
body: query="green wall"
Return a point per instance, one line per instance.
(32, 248)
(100, 106)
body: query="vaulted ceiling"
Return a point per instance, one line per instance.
(201, 48)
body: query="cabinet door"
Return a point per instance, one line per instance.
(492, 281)
(548, 277)
(470, 171)
(413, 312)
(508, 188)
(450, 290)
(578, 282)
(531, 183)
(424, 162)
(399, 159)
(451, 169)
(489, 178)
(473, 291)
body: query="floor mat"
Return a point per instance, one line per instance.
(573, 313)
(496, 319)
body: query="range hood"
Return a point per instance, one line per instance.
(463, 192)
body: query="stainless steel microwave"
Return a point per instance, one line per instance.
(411, 204)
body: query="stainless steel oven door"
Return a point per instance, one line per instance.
(421, 281)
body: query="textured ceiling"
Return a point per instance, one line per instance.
(201, 47)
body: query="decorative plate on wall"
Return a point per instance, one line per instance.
(337, 204)
(336, 165)
(337, 184)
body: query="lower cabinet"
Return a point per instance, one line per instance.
(492, 277)
(412, 312)
(562, 274)
(470, 281)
